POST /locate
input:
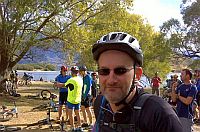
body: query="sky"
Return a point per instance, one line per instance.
(158, 11)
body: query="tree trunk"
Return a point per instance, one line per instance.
(4, 67)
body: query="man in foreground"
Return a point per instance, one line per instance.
(119, 58)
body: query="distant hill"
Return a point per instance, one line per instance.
(39, 55)
(53, 56)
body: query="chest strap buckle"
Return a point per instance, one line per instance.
(113, 125)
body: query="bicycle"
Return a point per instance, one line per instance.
(7, 114)
(9, 87)
(8, 128)
(47, 95)
(23, 82)
(46, 121)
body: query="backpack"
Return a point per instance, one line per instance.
(136, 109)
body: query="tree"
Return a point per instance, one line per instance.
(185, 39)
(117, 18)
(191, 17)
(25, 24)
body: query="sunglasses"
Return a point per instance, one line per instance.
(118, 71)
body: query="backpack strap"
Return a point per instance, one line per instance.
(136, 108)
(99, 102)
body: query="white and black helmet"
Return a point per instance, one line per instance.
(119, 41)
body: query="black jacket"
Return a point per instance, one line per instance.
(156, 115)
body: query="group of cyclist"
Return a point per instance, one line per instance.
(77, 91)
(188, 92)
(121, 104)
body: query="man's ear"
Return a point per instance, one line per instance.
(138, 72)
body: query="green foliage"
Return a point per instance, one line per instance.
(154, 45)
(195, 64)
(185, 38)
(26, 67)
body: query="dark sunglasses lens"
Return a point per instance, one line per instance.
(120, 71)
(104, 71)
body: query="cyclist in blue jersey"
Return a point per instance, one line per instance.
(62, 78)
(184, 96)
(86, 96)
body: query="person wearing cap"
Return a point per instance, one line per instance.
(86, 101)
(63, 92)
(118, 108)
(74, 86)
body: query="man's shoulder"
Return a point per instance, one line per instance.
(88, 76)
(59, 75)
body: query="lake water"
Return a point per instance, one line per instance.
(51, 75)
(46, 75)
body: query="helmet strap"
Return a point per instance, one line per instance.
(123, 101)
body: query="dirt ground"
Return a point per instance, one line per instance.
(29, 99)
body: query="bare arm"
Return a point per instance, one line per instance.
(186, 101)
(59, 85)
(174, 95)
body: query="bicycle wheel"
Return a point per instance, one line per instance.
(29, 83)
(46, 94)
(10, 129)
(20, 82)
(6, 116)
(2, 128)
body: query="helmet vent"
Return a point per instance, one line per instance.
(131, 39)
(113, 36)
(104, 38)
(122, 37)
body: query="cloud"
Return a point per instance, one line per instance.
(157, 11)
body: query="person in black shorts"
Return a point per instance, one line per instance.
(86, 101)
(63, 92)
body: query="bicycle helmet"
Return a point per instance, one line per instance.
(122, 42)
(74, 68)
(83, 68)
(63, 68)
(119, 41)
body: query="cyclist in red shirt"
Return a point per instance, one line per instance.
(155, 83)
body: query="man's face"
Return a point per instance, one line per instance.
(82, 73)
(94, 77)
(183, 76)
(63, 72)
(115, 87)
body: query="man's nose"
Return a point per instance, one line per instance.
(112, 77)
